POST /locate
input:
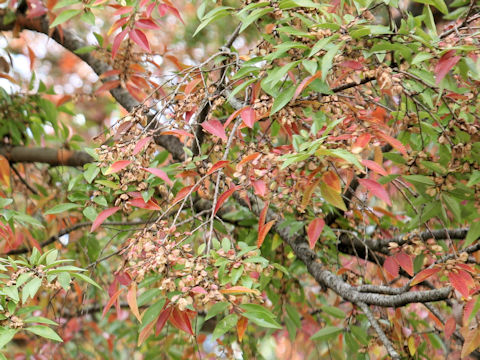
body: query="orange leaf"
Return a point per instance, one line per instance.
(263, 216)
(149, 205)
(141, 144)
(260, 187)
(182, 193)
(307, 195)
(4, 171)
(31, 56)
(392, 141)
(103, 216)
(117, 166)
(360, 143)
(472, 340)
(109, 85)
(423, 275)
(191, 85)
(263, 232)
(450, 326)
(307, 81)
(218, 165)
(376, 189)
(111, 301)
(221, 199)
(331, 179)
(249, 158)
(177, 133)
(145, 333)
(372, 165)
(314, 231)
(241, 327)
(239, 290)
(233, 116)
(109, 73)
(132, 301)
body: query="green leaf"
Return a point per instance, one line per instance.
(224, 325)
(61, 208)
(64, 16)
(326, 333)
(31, 288)
(91, 172)
(86, 279)
(473, 234)
(39, 319)
(45, 332)
(253, 16)
(152, 312)
(216, 309)
(453, 205)
(334, 311)
(282, 99)
(6, 335)
(5, 202)
(260, 316)
(327, 60)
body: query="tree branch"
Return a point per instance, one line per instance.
(54, 157)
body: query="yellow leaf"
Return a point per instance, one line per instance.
(4, 171)
(412, 348)
(472, 340)
(332, 197)
(239, 290)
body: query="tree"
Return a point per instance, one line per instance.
(286, 179)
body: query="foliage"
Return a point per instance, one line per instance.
(269, 179)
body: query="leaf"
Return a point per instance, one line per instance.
(473, 234)
(45, 332)
(111, 301)
(391, 266)
(263, 232)
(332, 197)
(64, 16)
(327, 60)
(462, 281)
(181, 321)
(260, 188)
(331, 179)
(248, 116)
(221, 199)
(147, 24)
(239, 290)
(215, 127)
(103, 216)
(392, 141)
(4, 171)
(282, 99)
(472, 341)
(152, 312)
(376, 189)
(224, 325)
(61, 208)
(445, 64)
(216, 309)
(423, 275)
(307, 81)
(159, 173)
(132, 301)
(217, 166)
(314, 231)
(405, 262)
(262, 319)
(177, 133)
(141, 144)
(182, 193)
(117, 166)
(326, 333)
(450, 327)
(162, 320)
(249, 158)
(372, 165)
(232, 116)
(6, 335)
(360, 143)
(140, 39)
(241, 327)
(145, 332)
(107, 86)
(117, 41)
(149, 205)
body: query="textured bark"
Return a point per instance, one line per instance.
(54, 157)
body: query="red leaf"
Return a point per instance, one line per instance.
(117, 166)
(263, 232)
(215, 127)
(231, 117)
(376, 189)
(263, 216)
(182, 193)
(109, 73)
(145, 333)
(123, 10)
(248, 116)
(218, 165)
(111, 301)
(352, 64)
(132, 301)
(307, 81)
(162, 320)
(445, 64)
(123, 278)
(372, 165)
(117, 41)
(361, 142)
(450, 327)
(103, 216)
(191, 85)
(405, 262)
(168, 6)
(260, 187)
(109, 85)
(459, 283)
(225, 196)
(159, 173)
(141, 144)
(314, 231)
(423, 275)
(391, 266)
(147, 24)
(392, 141)
(120, 22)
(198, 290)
(140, 39)
(241, 327)
(140, 203)
(181, 321)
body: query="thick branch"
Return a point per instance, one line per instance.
(54, 157)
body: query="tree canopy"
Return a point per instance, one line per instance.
(292, 179)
